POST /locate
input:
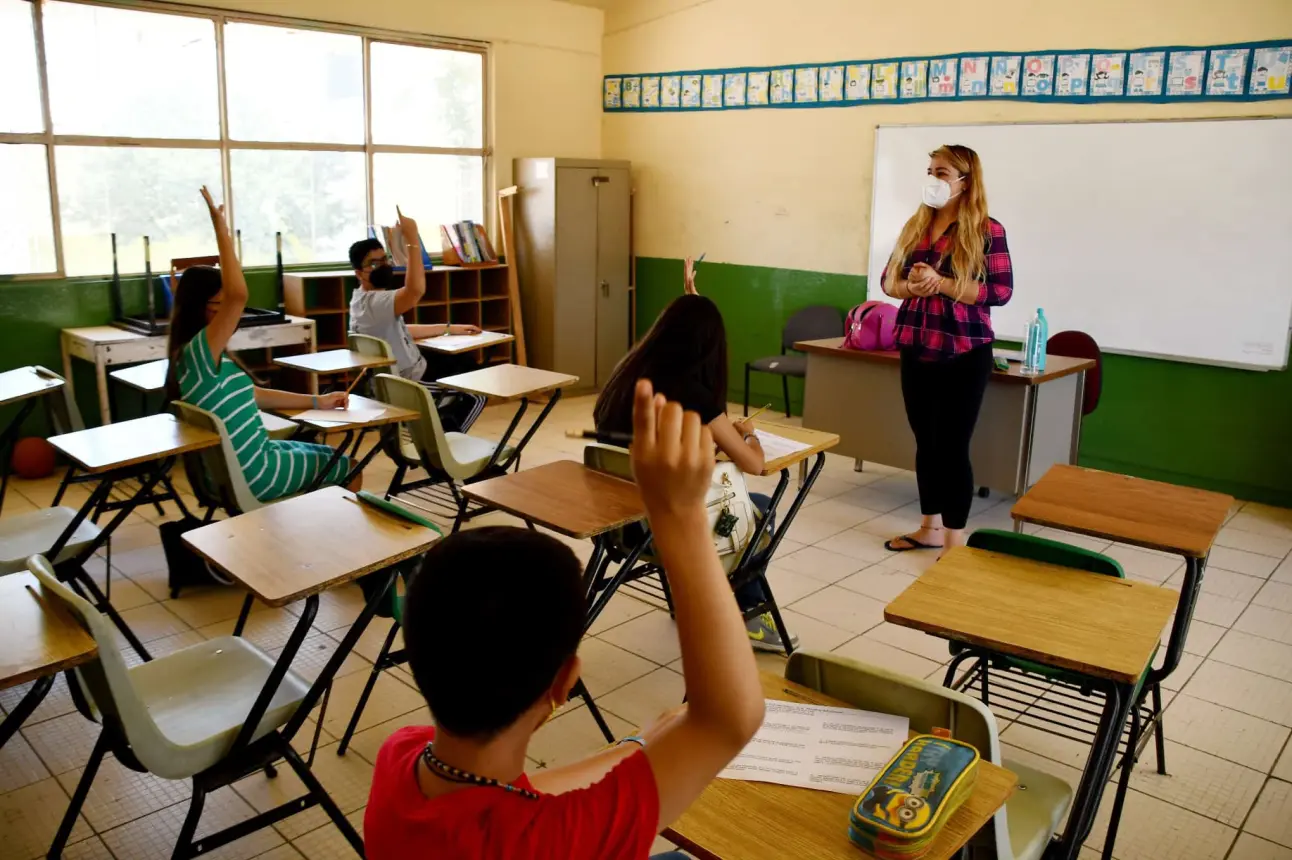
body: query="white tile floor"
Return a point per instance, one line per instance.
(1229, 794)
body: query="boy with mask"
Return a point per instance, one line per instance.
(378, 310)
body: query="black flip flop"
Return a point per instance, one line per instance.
(914, 545)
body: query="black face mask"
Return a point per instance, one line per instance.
(381, 277)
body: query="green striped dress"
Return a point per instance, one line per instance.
(273, 467)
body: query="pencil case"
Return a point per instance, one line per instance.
(906, 805)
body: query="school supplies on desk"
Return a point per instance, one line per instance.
(901, 812)
(776, 447)
(619, 440)
(814, 746)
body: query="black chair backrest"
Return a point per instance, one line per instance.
(812, 323)
(1078, 344)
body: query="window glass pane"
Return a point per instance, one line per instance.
(124, 73)
(26, 225)
(317, 199)
(297, 85)
(434, 189)
(20, 92)
(427, 96)
(133, 191)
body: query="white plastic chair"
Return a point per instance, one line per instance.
(1024, 826)
(448, 458)
(180, 716)
(214, 473)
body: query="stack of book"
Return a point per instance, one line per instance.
(393, 239)
(468, 242)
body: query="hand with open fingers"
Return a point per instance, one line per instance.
(672, 455)
(689, 277)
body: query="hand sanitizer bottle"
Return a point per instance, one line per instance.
(1038, 333)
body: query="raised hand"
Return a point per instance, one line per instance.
(408, 227)
(672, 455)
(218, 220)
(689, 277)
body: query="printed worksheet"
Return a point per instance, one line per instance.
(775, 447)
(813, 746)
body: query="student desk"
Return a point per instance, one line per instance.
(295, 550)
(106, 345)
(388, 421)
(1102, 628)
(512, 382)
(456, 344)
(737, 820)
(25, 385)
(1027, 423)
(38, 639)
(579, 502)
(333, 361)
(143, 450)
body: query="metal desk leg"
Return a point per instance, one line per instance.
(30, 701)
(7, 441)
(1118, 699)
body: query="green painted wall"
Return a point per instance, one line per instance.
(1210, 427)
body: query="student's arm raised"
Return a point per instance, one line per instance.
(233, 291)
(672, 456)
(407, 296)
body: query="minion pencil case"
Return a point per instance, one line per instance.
(902, 810)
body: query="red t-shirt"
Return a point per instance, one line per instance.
(614, 819)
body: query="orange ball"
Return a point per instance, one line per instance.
(33, 458)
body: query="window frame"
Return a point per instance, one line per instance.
(226, 145)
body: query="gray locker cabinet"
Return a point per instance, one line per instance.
(572, 246)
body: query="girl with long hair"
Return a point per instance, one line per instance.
(950, 266)
(208, 306)
(684, 355)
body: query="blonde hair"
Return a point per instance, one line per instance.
(969, 244)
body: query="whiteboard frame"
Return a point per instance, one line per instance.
(876, 292)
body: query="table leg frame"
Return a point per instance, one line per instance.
(26, 706)
(8, 439)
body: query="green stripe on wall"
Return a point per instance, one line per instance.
(1210, 427)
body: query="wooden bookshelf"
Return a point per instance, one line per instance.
(462, 296)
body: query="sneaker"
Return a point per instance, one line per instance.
(763, 635)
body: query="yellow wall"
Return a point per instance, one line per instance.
(545, 77)
(791, 188)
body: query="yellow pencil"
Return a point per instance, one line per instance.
(756, 414)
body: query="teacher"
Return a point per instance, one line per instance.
(950, 267)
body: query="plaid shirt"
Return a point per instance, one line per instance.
(941, 327)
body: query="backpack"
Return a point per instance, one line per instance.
(184, 567)
(871, 325)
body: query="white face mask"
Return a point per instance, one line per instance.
(936, 192)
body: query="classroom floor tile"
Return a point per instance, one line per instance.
(1227, 727)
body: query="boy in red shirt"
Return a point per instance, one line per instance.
(459, 791)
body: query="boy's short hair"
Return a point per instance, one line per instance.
(361, 249)
(488, 622)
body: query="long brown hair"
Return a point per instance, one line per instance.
(969, 242)
(196, 286)
(685, 350)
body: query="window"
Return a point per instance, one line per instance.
(313, 132)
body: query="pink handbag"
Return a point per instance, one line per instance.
(871, 326)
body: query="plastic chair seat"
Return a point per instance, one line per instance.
(199, 697)
(34, 533)
(474, 452)
(785, 365)
(1036, 810)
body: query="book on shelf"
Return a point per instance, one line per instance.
(465, 243)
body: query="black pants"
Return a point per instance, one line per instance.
(942, 402)
(458, 410)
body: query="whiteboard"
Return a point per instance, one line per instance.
(1165, 239)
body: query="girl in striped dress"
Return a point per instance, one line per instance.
(207, 308)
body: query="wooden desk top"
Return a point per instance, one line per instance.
(303, 545)
(1056, 366)
(38, 636)
(819, 440)
(391, 415)
(147, 377)
(332, 361)
(1096, 625)
(508, 381)
(1144, 513)
(128, 443)
(24, 382)
(736, 820)
(566, 497)
(454, 344)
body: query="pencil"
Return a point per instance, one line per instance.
(622, 440)
(756, 414)
(360, 376)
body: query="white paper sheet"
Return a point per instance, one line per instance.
(339, 416)
(775, 447)
(457, 342)
(813, 746)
